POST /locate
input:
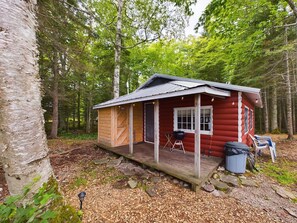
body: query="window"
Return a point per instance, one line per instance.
(246, 119)
(184, 119)
(251, 119)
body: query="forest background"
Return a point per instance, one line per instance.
(94, 50)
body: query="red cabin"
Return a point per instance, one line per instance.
(166, 103)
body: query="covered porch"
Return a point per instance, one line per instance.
(175, 163)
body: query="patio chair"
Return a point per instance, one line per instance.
(179, 136)
(260, 144)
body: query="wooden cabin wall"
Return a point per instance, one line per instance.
(225, 122)
(104, 126)
(245, 136)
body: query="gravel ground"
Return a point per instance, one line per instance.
(110, 199)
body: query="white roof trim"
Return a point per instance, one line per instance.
(198, 90)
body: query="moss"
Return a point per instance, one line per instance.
(284, 171)
(64, 212)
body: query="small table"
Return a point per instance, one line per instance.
(168, 136)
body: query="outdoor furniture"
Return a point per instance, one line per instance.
(179, 136)
(260, 144)
(168, 136)
(269, 140)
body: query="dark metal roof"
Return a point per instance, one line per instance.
(164, 86)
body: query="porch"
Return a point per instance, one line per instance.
(175, 163)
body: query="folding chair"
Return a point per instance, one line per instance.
(259, 145)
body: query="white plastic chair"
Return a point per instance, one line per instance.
(259, 145)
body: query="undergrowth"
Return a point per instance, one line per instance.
(79, 136)
(46, 205)
(283, 171)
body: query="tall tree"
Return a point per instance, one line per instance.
(23, 145)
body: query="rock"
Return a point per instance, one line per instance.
(162, 174)
(208, 187)
(155, 179)
(132, 184)
(101, 161)
(291, 212)
(229, 179)
(248, 183)
(242, 177)
(216, 193)
(186, 185)
(284, 193)
(219, 185)
(151, 191)
(175, 181)
(215, 176)
(114, 163)
(221, 168)
(130, 169)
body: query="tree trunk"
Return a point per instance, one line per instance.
(288, 91)
(55, 96)
(23, 145)
(293, 6)
(118, 49)
(78, 105)
(274, 125)
(266, 119)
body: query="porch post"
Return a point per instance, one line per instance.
(131, 129)
(156, 131)
(197, 136)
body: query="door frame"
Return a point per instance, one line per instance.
(144, 122)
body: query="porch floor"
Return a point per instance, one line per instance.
(175, 163)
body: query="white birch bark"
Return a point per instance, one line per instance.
(23, 146)
(118, 49)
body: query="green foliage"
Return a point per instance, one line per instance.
(79, 181)
(283, 171)
(44, 206)
(78, 136)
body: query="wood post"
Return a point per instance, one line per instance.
(131, 140)
(197, 136)
(156, 131)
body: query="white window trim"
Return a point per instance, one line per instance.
(252, 119)
(248, 118)
(175, 111)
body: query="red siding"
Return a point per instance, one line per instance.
(225, 122)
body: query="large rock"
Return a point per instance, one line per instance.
(156, 179)
(229, 179)
(115, 162)
(219, 185)
(284, 193)
(130, 169)
(208, 187)
(151, 191)
(248, 183)
(132, 184)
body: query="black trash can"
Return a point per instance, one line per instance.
(236, 154)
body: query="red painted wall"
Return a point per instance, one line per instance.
(225, 122)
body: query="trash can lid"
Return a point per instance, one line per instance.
(236, 145)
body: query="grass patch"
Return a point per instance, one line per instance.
(80, 136)
(283, 171)
(78, 181)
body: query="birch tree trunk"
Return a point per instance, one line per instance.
(288, 91)
(266, 119)
(118, 49)
(23, 146)
(55, 96)
(274, 125)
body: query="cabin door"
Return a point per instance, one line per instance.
(149, 122)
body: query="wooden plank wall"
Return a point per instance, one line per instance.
(225, 122)
(104, 126)
(138, 122)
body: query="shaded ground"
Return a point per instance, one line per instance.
(110, 199)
